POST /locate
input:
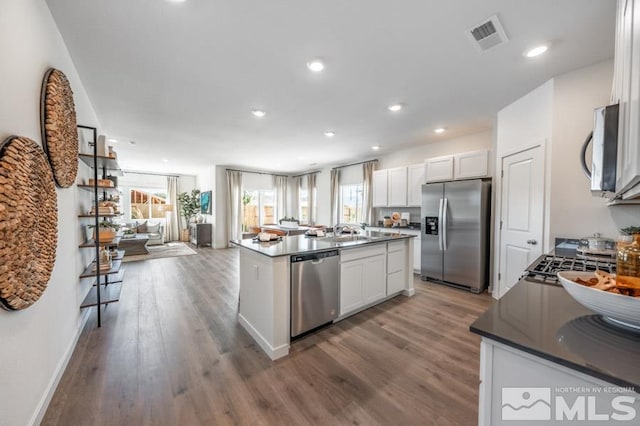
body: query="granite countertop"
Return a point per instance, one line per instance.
(297, 244)
(545, 321)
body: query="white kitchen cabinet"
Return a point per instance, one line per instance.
(415, 179)
(397, 189)
(506, 368)
(471, 164)
(417, 243)
(439, 169)
(363, 277)
(396, 266)
(627, 93)
(380, 184)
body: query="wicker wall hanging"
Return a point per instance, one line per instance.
(58, 126)
(28, 222)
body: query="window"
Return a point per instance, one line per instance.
(351, 198)
(257, 208)
(147, 204)
(303, 202)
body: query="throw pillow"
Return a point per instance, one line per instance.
(153, 228)
(142, 227)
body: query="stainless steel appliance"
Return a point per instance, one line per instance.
(314, 290)
(455, 233)
(604, 151)
(544, 269)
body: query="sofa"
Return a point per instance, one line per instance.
(153, 231)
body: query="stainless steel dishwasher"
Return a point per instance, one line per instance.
(314, 290)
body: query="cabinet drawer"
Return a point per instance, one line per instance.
(396, 261)
(348, 255)
(395, 282)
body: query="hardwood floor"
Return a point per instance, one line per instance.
(171, 352)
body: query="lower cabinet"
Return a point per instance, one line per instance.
(200, 234)
(363, 277)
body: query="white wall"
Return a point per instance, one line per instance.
(576, 94)
(37, 341)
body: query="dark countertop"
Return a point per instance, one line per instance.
(297, 244)
(545, 321)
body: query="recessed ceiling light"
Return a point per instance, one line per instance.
(536, 51)
(112, 140)
(176, 1)
(440, 130)
(329, 134)
(315, 65)
(375, 147)
(165, 160)
(395, 107)
(258, 113)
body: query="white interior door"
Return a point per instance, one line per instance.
(521, 214)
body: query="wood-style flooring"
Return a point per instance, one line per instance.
(171, 352)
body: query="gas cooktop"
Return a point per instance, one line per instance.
(544, 269)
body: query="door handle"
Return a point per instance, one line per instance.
(532, 242)
(445, 224)
(440, 223)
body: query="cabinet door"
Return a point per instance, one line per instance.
(397, 193)
(375, 278)
(471, 164)
(417, 254)
(380, 188)
(351, 286)
(414, 186)
(439, 168)
(395, 282)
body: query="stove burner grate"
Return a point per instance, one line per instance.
(544, 269)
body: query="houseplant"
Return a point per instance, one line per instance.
(189, 206)
(289, 222)
(246, 199)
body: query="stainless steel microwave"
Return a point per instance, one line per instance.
(604, 151)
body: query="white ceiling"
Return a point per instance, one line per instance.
(181, 79)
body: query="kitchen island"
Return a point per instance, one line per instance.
(373, 267)
(538, 337)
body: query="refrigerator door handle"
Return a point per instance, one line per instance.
(444, 224)
(440, 224)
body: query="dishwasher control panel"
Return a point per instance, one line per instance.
(313, 256)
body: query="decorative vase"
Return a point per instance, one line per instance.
(628, 263)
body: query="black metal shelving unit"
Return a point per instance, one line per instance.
(107, 285)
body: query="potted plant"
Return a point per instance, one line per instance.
(106, 231)
(189, 206)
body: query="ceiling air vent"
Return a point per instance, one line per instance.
(489, 33)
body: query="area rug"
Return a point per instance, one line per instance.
(166, 250)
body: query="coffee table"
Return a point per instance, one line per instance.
(134, 245)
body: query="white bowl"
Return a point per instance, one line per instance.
(617, 308)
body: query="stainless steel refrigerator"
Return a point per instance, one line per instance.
(455, 233)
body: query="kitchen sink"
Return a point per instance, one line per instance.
(347, 238)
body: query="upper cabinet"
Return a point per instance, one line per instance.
(380, 181)
(398, 187)
(626, 92)
(415, 179)
(466, 165)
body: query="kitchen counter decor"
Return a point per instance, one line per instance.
(59, 127)
(28, 223)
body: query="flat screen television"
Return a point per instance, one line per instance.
(205, 202)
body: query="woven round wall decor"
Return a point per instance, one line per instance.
(59, 127)
(28, 222)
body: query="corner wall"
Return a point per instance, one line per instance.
(37, 341)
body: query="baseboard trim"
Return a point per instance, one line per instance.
(41, 409)
(409, 292)
(272, 353)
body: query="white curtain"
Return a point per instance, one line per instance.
(234, 205)
(280, 184)
(295, 197)
(172, 228)
(367, 196)
(313, 215)
(335, 197)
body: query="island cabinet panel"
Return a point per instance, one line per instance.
(362, 277)
(396, 267)
(505, 371)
